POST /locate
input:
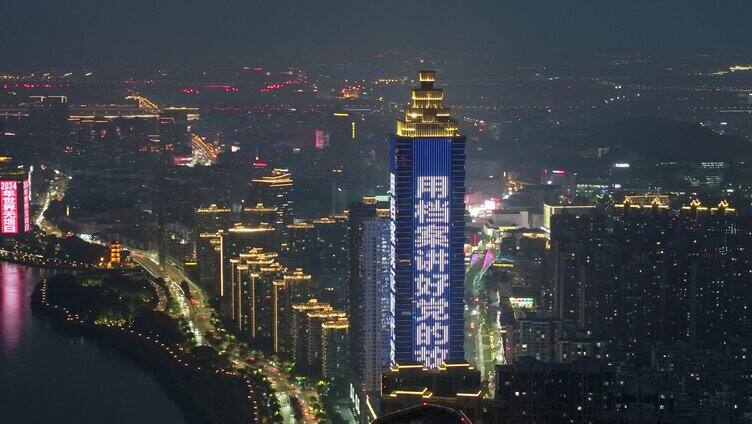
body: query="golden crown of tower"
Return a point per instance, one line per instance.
(426, 115)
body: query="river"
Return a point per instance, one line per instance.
(47, 376)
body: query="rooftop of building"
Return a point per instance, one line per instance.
(426, 115)
(424, 414)
(10, 169)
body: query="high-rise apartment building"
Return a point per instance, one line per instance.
(642, 274)
(334, 349)
(377, 322)
(310, 338)
(294, 287)
(274, 191)
(538, 392)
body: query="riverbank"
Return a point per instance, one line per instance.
(205, 392)
(43, 263)
(42, 250)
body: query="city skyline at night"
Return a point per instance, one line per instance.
(350, 212)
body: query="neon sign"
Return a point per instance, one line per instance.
(9, 207)
(27, 205)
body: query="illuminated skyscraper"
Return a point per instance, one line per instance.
(294, 287)
(330, 255)
(253, 283)
(427, 187)
(15, 201)
(274, 191)
(377, 322)
(209, 220)
(320, 245)
(309, 337)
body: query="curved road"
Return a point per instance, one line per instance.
(197, 314)
(198, 317)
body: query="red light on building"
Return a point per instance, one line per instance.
(227, 88)
(27, 205)
(559, 171)
(15, 202)
(277, 85)
(9, 207)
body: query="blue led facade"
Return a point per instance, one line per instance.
(427, 231)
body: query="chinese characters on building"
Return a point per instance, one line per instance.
(432, 270)
(9, 206)
(392, 265)
(27, 205)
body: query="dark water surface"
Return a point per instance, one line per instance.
(50, 377)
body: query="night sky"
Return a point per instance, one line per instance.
(59, 33)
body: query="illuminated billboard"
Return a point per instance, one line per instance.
(15, 206)
(9, 207)
(27, 205)
(431, 224)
